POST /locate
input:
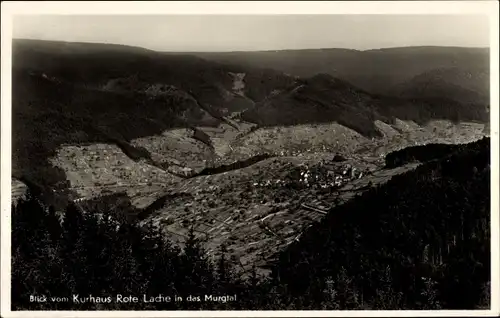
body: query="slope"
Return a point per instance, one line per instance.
(460, 84)
(424, 233)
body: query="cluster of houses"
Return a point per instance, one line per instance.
(319, 176)
(328, 176)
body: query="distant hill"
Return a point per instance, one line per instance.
(376, 71)
(100, 66)
(459, 84)
(323, 98)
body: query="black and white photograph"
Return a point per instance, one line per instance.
(241, 162)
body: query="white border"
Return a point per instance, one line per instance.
(488, 8)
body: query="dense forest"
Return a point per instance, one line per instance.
(420, 153)
(421, 241)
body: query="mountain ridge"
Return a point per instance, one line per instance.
(376, 70)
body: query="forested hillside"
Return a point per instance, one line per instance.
(324, 98)
(420, 241)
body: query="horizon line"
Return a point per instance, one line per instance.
(259, 50)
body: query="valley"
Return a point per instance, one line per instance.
(258, 210)
(246, 157)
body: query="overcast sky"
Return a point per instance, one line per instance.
(251, 33)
